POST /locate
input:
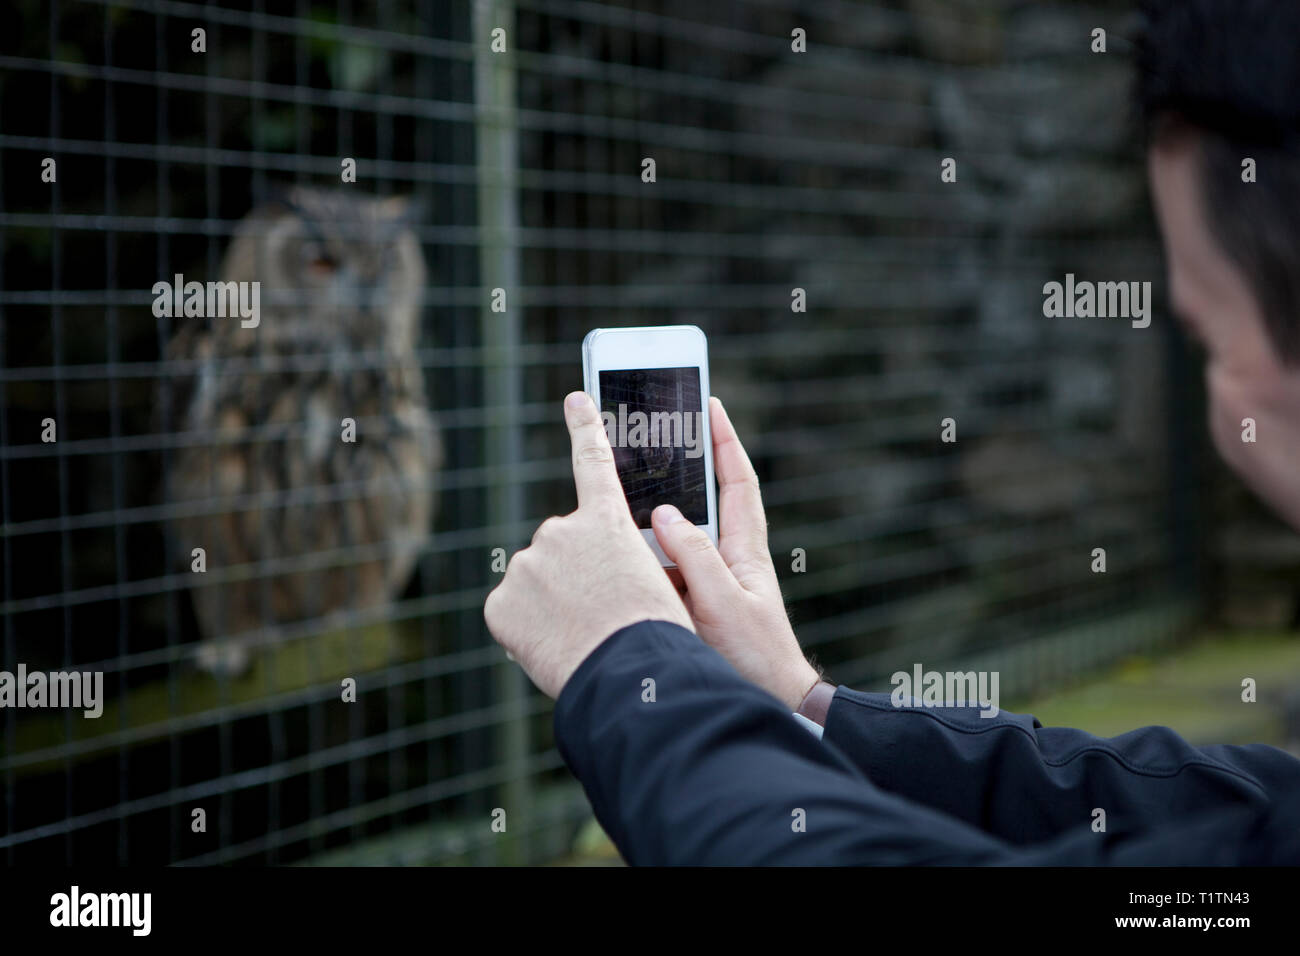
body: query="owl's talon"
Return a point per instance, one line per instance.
(224, 659)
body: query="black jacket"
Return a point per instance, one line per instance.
(716, 771)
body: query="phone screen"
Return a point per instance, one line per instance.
(655, 421)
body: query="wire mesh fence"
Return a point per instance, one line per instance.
(855, 302)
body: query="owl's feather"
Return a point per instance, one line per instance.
(265, 475)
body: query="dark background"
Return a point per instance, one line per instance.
(775, 171)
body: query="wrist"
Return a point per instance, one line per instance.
(816, 704)
(803, 679)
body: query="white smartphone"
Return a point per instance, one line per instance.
(651, 385)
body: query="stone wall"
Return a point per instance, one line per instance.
(821, 171)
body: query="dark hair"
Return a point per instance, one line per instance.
(1230, 70)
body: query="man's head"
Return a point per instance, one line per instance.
(1219, 83)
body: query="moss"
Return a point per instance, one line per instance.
(1195, 690)
(317, 660)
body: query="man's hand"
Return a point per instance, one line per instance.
(731, 591)
(585, 575)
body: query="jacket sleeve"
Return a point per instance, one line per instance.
(1025, 783)
(703, 767)
(1236, 836)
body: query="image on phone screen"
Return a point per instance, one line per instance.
(654, 417)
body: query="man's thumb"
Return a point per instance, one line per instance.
(692, 550)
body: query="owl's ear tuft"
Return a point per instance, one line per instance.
(274, 206)
(402, 210)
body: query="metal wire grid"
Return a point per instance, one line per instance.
(823, 402)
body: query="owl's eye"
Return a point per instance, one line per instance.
(316, 261)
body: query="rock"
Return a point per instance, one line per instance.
(1073, 196)
(842, 97)
(959, 31)
(1021, 476)
(1011, 313)
(1053, 31)
(1080, 386)
(1034, 111)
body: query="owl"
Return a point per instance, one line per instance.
(307, 456)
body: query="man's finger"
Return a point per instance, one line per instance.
(594, 474)
(702, 568)
(741, 520)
